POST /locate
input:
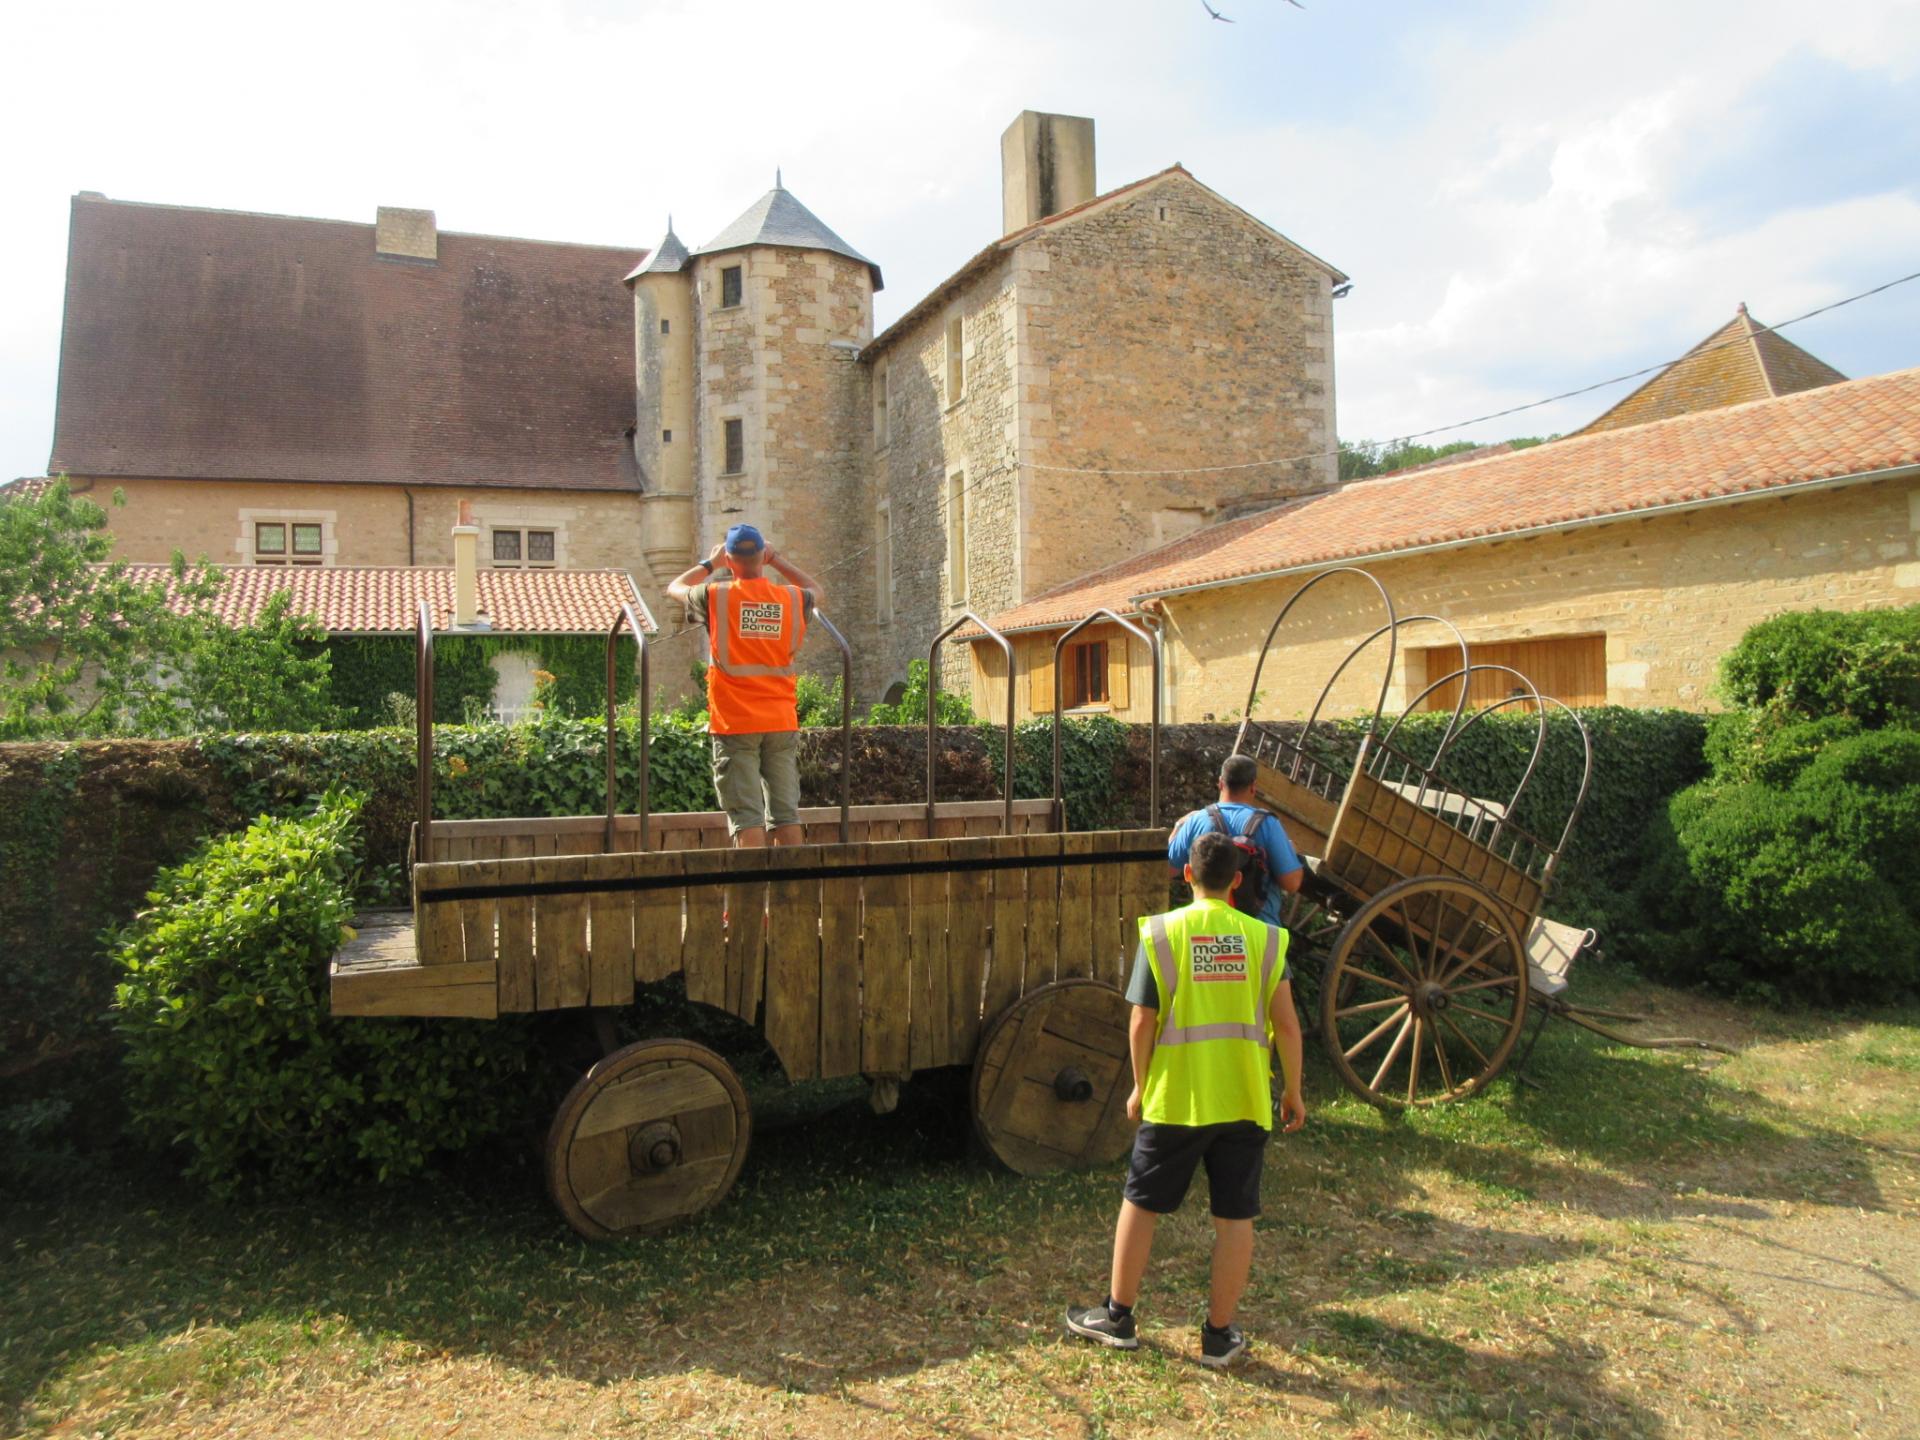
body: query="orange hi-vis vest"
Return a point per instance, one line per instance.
(754, 629)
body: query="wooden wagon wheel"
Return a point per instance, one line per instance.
(1425, 993)
(1051, 1080)
(653, 1133)
(1313, 923)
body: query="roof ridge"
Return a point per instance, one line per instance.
(1754, 329)
(93, 198)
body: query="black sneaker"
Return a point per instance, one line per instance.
(1096, 1322)
(1220, 1348)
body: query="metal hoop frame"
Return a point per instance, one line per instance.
(933, 698)
(1059, 714)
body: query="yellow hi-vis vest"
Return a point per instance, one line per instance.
(1217, 969)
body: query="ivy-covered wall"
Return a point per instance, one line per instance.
(369, 668)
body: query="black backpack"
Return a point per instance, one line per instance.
(1251, 893)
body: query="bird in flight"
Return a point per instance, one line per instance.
(1223, 19)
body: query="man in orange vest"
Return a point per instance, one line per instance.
(754, 630)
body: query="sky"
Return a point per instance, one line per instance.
(1529, 197)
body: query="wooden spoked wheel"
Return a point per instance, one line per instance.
(650, 1135)
(1425, 993)
(1313, 925)
(1051, 1080)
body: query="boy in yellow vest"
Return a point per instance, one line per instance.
(1210, 993)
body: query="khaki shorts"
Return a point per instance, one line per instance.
(757, 778)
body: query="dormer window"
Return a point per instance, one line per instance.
(729, 287)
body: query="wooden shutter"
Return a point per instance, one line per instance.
(1040, 669)
(1571, 668)
(1118, 654)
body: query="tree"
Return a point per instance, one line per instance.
(1363, 459)
(270, 675)
(77, 630)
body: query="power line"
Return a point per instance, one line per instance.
(939, 500)
(1492, 415)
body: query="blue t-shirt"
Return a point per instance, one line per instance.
(1271, 837)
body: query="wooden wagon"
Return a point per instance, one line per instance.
(898, 938)
(1427, 898)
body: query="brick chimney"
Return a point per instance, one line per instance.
(405, 234)
(1046, 166)
(466, 569)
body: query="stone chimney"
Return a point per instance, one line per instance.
(1046, 166)
(405, 234)
(466, 569)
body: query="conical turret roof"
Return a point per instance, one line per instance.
(777, 218)
(668, 257)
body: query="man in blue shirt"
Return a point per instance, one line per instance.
(1237, 806)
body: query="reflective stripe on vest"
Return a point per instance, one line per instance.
(1211, 1058)
(720, 631)
(1172, 1033)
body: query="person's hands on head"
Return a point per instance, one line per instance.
(766, 554)
(717, 556)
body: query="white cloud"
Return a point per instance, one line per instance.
(1502, 181)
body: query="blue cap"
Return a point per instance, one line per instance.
(745, 540)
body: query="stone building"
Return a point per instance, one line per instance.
(278, 392)
(1613, 567)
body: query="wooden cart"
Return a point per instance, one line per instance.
(1427, 899)
(899, 938)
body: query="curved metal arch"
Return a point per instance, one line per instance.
(1059, 699)
(1459, 639)
(423, 730)
(627, 620)
(846, 721)
(933, 696)
(1386, 681)
(1586, 763)
(1463, 676)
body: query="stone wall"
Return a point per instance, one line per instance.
(1671, 593)
(773, 362)
(1164, 328)
(926, 440)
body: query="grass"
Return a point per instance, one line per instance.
(1532, 1262)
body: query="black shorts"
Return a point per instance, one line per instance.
(1165, 1157)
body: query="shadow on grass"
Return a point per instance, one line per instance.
(848, 1235)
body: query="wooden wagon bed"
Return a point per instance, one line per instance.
(880, 957)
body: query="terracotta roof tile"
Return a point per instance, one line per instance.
(384, 599)
(213, 344)
(1740, 362)
(1856, 428)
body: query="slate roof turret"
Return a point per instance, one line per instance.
(777, 218)
(669, 257)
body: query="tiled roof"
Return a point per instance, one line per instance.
(1740, 362)
(384, 599)
(213, 344)
(776, 218)
(1013, 238)
(1860, 427)
(27, 487)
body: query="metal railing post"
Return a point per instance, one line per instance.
(628, 620)
(1059, 700)
(933, 698)
(423, 729)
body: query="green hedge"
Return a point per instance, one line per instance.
(1814, 663)
(233, 1059)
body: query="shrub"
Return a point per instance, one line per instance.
(233, 1057)
(1797, 884)
(1816, 663)
(952, 708)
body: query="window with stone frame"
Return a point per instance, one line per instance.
(734, 437)
(288, 542)
(729, 286)
(957, 538)
(882, 405)
(523, 549)
(956, 361)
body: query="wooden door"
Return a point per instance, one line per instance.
(1570, 668)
